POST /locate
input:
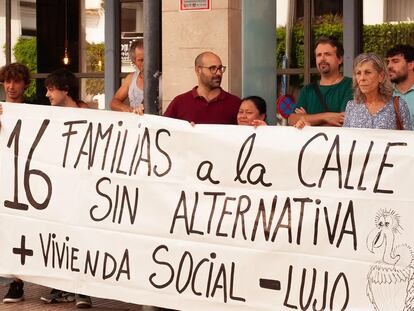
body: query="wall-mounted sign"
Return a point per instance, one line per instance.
(192, 5)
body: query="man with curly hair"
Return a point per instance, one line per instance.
(15, 78)
(63, 91)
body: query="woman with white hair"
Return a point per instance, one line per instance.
(373, 105)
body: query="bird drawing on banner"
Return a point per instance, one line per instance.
(390, 284)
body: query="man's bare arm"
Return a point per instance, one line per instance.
(117, 102)
(321, 119)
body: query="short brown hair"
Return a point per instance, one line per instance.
(64, 80)
(15, 72)
(406, 50)
(333, 41)
(137, 44)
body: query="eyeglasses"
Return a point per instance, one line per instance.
(214, 69)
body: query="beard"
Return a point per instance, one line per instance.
(324, 67)
(215, 82)
(398, 78)
(211, 82)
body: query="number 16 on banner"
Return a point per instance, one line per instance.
(13, 142)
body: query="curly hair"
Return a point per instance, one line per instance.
(64, 80)
(385, 87)
(333, 41)
(15, 72)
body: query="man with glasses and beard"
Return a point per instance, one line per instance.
(323, 102)
(400, 63)
(206, 103)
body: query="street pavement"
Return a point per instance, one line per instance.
(32, 302)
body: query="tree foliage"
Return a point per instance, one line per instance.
(25, 52)
(379, 38)
(376, 38)
(95, 63)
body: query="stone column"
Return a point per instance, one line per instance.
(259, 52)
(185, 34)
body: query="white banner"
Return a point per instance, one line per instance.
(153, 211)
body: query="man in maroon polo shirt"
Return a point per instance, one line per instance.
(206, 103)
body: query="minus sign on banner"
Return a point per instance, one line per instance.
(269, 284)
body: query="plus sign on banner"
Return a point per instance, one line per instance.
(23, 251)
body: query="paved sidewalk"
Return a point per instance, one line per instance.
(32, 302)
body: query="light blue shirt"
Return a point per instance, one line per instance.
(408, 98)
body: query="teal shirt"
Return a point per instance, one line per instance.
(408, 98)
(336, 97)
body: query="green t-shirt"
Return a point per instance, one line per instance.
(336, 97)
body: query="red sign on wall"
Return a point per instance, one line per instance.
(192, 5)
